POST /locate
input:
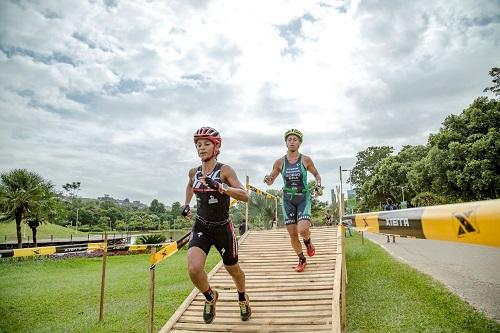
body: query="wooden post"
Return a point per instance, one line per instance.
(362, 237)
(343, 294)
(103, 277)
(247, 187)
(151, 307)
(276, 211)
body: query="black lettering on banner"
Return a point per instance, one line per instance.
(406, 222)
(466, 222)
(6, 253)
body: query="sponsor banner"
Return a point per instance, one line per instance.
(405, 222)
(96, 246)
(6, 253)
(169, 249)
(260, 192)
(34, 251)
(472, 222)
(47, 250)
(70, 248)
(365, 222)
(163, 253)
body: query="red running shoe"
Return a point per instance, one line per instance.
(311, 250)
(300, 267)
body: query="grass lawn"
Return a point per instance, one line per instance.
(385, 295)
(42, 295)
(8, 229)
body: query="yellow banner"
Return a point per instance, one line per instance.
(34, 251)
(137, 247)
(471, 222)
(260, 192)
(163, 253)
(96, 246)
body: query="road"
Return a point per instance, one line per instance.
(471, 271)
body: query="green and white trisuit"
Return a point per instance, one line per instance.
(296, 195)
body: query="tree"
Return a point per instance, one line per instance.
(495, 74)
(260, 210)
(22, 193)
(176, 210)
(367, 161)
(157, 208)
(363, 176)
(427, 199)
(462, 163)
(317, 207)
(72, 190)
(47, 210)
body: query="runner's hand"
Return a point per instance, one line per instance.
(186, 211)
(213, 184)
(267, 180)
(317, 190)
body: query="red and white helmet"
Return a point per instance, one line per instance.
(211, 134)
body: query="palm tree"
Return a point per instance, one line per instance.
(22, 193)
(47, 209)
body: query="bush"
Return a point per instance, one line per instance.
(151, 239)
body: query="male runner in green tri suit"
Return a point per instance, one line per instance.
(214, 183)
(296, 201)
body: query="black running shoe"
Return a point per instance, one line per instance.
(209, 309)
(245, 309)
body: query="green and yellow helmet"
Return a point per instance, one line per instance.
(294, 131)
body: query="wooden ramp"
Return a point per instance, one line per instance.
(282, 300)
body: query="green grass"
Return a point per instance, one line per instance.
(385, 295)
(44, 231)
(43, 295)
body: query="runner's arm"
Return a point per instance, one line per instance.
(309, 164)
(236, 189)
(189, 187)
(269, 179)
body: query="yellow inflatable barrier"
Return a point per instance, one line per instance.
(472, 222)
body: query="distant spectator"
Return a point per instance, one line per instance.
(274, 223)
(389, 205)
(242, 227)
(329, 218)
(348, 225)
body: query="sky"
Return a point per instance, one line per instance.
(109, 93)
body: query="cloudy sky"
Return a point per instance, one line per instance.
(109, 92)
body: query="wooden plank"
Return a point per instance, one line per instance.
(249, 327)
(283, 303)
(312, 311)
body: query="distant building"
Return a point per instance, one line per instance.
(125, 202)
(334, 199)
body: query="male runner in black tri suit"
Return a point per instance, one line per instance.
(296, 201)
(214, 183)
